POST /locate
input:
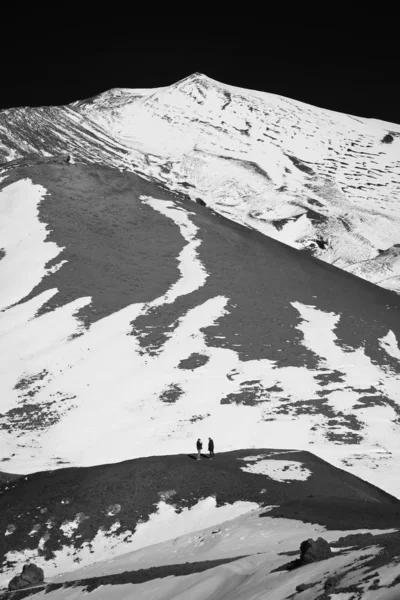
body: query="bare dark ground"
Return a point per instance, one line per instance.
(129, 491)
(194, 361)
(331, 511)
(6, 477)
(118, 250)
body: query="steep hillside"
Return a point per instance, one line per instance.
(68, 520)
(53, 131)
(134, 321)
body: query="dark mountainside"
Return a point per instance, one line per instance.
(95, 213)
(128, 492)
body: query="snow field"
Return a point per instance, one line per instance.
(264, 540)
(22, 238)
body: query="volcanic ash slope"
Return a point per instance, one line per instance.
(134, 322)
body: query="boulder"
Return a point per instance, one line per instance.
(31, 575)
(313, 551)
(330, 585)
(15, 583)
(305, 586)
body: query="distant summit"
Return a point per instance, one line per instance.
(320, 181)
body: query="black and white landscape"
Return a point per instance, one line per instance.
(191, 261)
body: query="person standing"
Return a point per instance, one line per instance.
(199, 446)
(211, 447)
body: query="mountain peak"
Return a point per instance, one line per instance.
(196, 78)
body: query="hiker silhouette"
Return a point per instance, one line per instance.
(199, 445)
(211, 447)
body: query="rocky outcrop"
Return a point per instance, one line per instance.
(305, 586)
(31, 575)
(313, 551)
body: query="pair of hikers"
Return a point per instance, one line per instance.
(199, 446)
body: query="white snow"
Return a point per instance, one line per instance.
(165, 521)
(240, 150)
(242, 535)
(280, 470)
(69, 527)
(193, 273)
(390, 344)
(263, 541)
(226, 532)
(10, 530)
(162, 525)
(23, 238)
(34, 531)
(113, 510)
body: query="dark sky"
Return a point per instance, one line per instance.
(337, 71)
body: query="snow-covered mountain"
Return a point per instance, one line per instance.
(312, 178)
(140, 318)
(147, 299)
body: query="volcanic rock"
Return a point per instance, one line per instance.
(31, 575)
(313, 551)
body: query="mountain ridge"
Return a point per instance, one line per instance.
(325, 181)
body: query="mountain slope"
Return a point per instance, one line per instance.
(135, 321)
(142, 306)
(361, 568)
(52, 131)
(307, 176)
(388, 272)
(317, 180)
(68, 520)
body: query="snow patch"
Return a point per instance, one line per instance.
(113, 510)
(193, 273)
(390, 344)
(203, 514)
(69, 527)
(10, 530)
(56, 267)
(23, 237)
(280, 470)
